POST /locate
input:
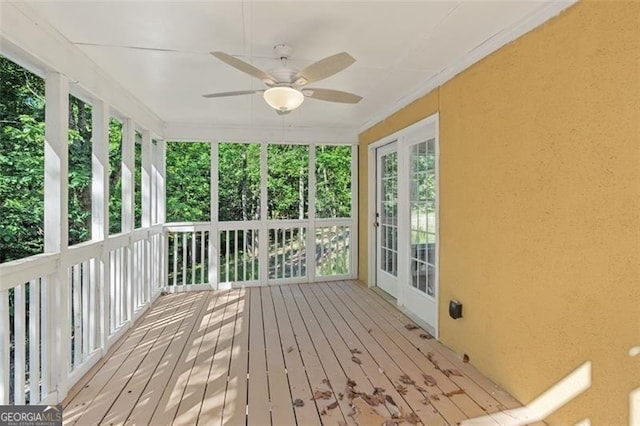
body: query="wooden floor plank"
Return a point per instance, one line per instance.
(111, 380)
(355, 366)
(410, 359)
(235, 403)
(306, 412)
(410, 341)
(259, 412)
(351, 327)
(191, 402)
(124, 404)
(216, 384)
(150, 400)
(323, 370)
(279, 390)
(243, 356)
(478, 386)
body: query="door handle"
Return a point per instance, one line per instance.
(376, 224)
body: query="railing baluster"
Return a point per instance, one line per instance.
(226, 260)
(76, 314)
(203, 257)
(19, 356)
(184, 259)
(235, 255)
(193, 257)
(34, 341)
(85, 308)
(175, 260)
(4, 354)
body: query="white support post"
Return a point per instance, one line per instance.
(162, 196)
(56, 227)
(311, 230)
(100, 216)
(353, 237)
(263, 230)
(147, 202)
(147, 171)
(128, 191)
(161, 150)
(154, 182)
(214, 238)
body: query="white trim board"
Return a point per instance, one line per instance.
(24, 35)
(206, 133)
(547, 10)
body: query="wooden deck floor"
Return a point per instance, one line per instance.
(328, 353)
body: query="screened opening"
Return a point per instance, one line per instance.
(22, 101)
(288, 181)
(80, 154)
(188, 174)
(115, 176)
(238, 181)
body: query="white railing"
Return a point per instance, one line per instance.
(257, 253)
(59, 313)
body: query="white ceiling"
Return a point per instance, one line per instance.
(399, 46)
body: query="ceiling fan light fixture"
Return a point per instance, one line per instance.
(283, 98)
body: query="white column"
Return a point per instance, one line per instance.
(56, 228)
(161, 148)
(311, 229)
(263, 232)
(147, 171)
(128, 175)
(213, 235)
(128, 188)
(147, 202)
(100, 214)
(353, 244)
(162, 196)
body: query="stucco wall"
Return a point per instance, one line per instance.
(540, 207)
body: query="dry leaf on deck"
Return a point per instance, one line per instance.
(298, 403)
(326, 382)
(355, 351)
(333, 405)
(356, 359)
(290, 349)
(411, 326)
(453, 372)
(340, 396)
(402, 390)
(465, 358)
(429, 380)
(455, 392)
(426, 336)
(322, 394)
(351, 383)
(407, 380)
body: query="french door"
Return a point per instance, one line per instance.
(406, 219)
(420, 296)
(387, 219)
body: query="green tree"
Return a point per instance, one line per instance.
(21, 162)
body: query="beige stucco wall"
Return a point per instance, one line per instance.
(540, 207)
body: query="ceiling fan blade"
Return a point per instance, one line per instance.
(324, 68)
(236, 93)
(332, 95)
(244, 67)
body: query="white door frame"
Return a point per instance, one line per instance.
(429, 124)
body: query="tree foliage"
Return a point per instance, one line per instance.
(188, 172)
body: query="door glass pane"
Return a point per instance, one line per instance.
(422, 198)
(389, 213)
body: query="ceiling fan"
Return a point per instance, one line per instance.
(286, 86)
